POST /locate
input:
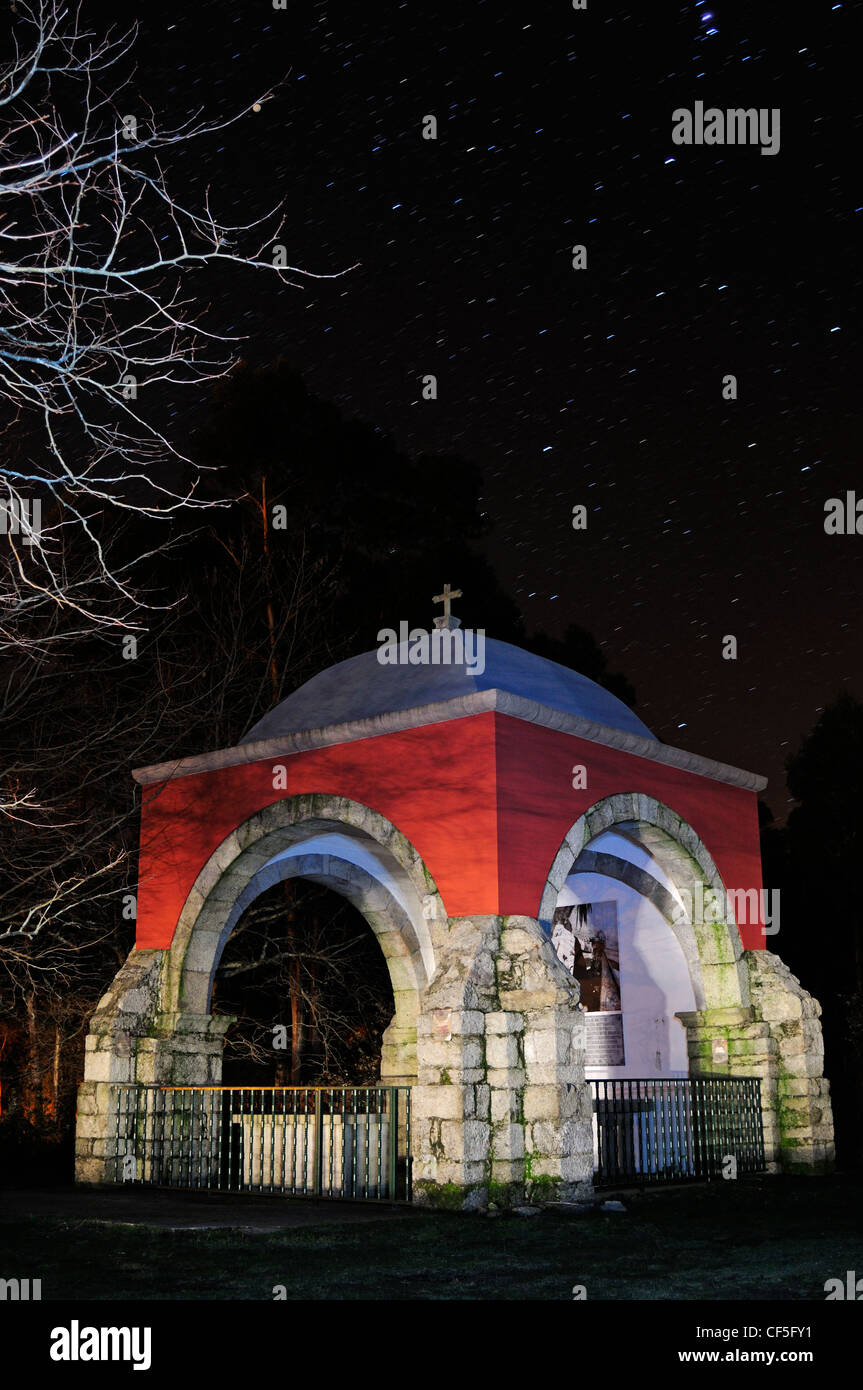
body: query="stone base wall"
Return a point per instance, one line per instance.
(501, 1110)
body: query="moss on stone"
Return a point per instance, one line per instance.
(505, 1194)
(542, 1188)
(444, 1196)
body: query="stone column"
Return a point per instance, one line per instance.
(399, 1055)
(399, 1068)
(556, 1111)
(123, 1013)
(500, 1111)
(506, 1076)
(751, 1052)
(804, 1111)
(450, 1104)
(131, 1041)
(779, 1040)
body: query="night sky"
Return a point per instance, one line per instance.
(601, 386)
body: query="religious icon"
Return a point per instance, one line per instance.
(590, 952)
(585, 937)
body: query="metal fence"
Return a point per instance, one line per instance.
(653, 1131)
(303, 1141)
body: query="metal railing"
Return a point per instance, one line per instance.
(653, 1131)
(303, 1141)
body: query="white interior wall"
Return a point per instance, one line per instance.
(654, 977)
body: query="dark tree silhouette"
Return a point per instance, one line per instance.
(815, 861)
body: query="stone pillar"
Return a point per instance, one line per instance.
(804, 1111)
(450, 1104)
(399, 1067)
(556, 1101)
(123, 1013)
(778, 1038)
(450, 1110)
(500, 1112)
(506, 1076)
(131, 1041)
(398, 1055)
(751, 1052)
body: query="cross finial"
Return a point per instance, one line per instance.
(448, 620)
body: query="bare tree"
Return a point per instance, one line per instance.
(302, 959)
(73, 721)
(96, 306)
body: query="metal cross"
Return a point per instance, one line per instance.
(445, 598)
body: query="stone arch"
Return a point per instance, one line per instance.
(746, 1001)
(379, 872)
(713, 950)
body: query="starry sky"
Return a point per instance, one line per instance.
(602, 386)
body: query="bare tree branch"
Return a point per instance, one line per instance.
(97, 306)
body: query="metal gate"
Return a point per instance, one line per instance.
(653, 1131)
(303, 1141)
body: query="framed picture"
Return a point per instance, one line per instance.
(585, 937)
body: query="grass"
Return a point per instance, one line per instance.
(777, 1238)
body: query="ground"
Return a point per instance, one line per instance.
(766, 1238)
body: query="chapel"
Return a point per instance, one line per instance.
(572, 915)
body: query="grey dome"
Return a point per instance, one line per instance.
(361, 687)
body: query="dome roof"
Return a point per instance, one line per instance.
(361, 687)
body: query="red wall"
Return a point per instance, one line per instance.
(436, 784)
(538, 805)
(441, 786)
